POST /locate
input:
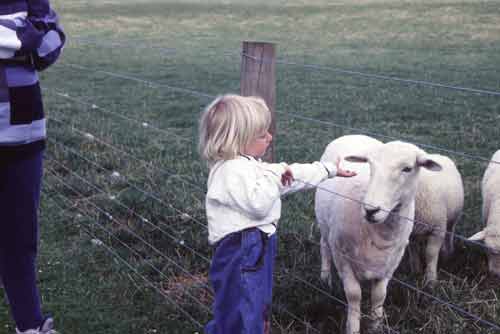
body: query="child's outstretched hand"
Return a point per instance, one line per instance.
(287, 177)
(343, 173)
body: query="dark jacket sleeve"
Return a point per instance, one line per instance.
(39, 35)
(46, 22)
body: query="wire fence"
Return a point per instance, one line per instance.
(410, 286)
(111, 248)
(134, 269)
(207, 96)
(195, 186)
(316, 67)
(170, 231)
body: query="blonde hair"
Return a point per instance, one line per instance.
(229, 123)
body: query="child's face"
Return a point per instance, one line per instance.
(258, 146)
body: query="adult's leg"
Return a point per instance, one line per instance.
(19, 200)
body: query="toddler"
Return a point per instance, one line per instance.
(243, 207)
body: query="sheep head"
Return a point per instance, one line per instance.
(394, 169)
(491, 239)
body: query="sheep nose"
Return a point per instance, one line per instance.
(371, 211)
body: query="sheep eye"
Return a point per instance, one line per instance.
(407, 169)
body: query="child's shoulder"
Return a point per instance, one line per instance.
(239, 162)
(234, 171)
(237, 166)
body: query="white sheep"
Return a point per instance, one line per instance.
(366, 235)
(438, 207)
(491, 214)
(337, 150)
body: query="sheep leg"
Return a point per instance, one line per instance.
(378, 294)
(448, 245)
(434, 244)
(414, 258)
(352, 290)
(494, 264)
(311, 230)
(326, 262)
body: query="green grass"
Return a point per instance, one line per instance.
(195, 45)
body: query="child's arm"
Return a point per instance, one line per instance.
(254, 190)
(306, 176)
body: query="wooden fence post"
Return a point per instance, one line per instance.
(258, 78)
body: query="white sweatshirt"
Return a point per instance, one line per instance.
(245, 192)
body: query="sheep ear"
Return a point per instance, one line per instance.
(356, 158)
(427, 163)
(479, 236)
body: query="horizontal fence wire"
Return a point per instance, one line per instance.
(91, 137)
(194, 92)
(375, 134)
(410, 220)
(107, 214)
(142, 123)
(76, 100)
(49, 193)
(414, 288)
(176, 240)
(138, 237)
(306, 324)
(154, 196)
(150, 83)
(450, 232)
(316, 67)
(404, 283)
(336, 299)
(136, 271)
(461, 237)
(293, 115)
(427, 294)
(375, 76)
(110, 217)
(73, 207)
(288, 312)
(449, 304)
(283, 309)
(182, 244)
(62, 211)
(116, 255)
(153, 285)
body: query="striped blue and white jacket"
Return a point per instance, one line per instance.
(31, 39)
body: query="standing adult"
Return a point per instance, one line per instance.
(31, 39)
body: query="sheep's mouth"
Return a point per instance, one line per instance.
(372, 220)
(395, 210)
(390, 215)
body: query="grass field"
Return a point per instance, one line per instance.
(107, 236)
